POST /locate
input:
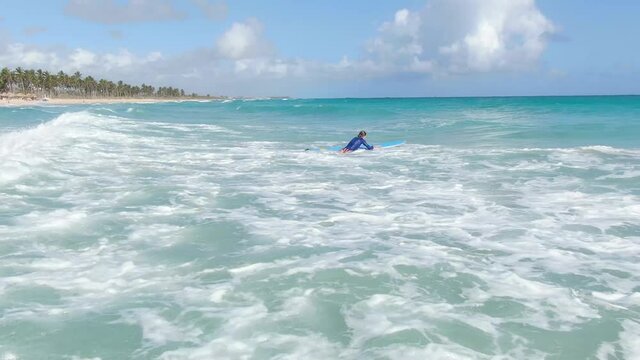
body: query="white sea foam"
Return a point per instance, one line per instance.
(9, 356)
(629, 339)
(157, 329)
(213, 249)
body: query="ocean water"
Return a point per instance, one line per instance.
(506, 228)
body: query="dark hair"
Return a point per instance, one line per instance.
(362, 133)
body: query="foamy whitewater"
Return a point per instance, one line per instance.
(506, 228)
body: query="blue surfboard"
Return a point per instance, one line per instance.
(383, 145)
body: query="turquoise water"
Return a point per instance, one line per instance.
(506, 228)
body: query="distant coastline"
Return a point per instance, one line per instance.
(35, 101)
(37, 87)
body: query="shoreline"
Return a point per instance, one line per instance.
(93, 101)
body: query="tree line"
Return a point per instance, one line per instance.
(43, 83)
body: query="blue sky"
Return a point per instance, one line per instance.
(334, 48)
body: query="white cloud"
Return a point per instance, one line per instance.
(114, 12)
(107, 65)
(81, 58)
(17, 54)
(463, 36)
(154, 56)
(123, 59)
(399, 39)
(244, 41)
(444, 37)
(274, 68)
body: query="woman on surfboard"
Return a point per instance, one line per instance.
(356, 143)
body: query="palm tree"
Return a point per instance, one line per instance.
(19, 76)
(30, 76)
(39, 81)
(76, 81)
(47, 83)
(89, 86)
(120, 89)
(62, 81)
(5, 80)
(42, 83)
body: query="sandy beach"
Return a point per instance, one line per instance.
(81, 101)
